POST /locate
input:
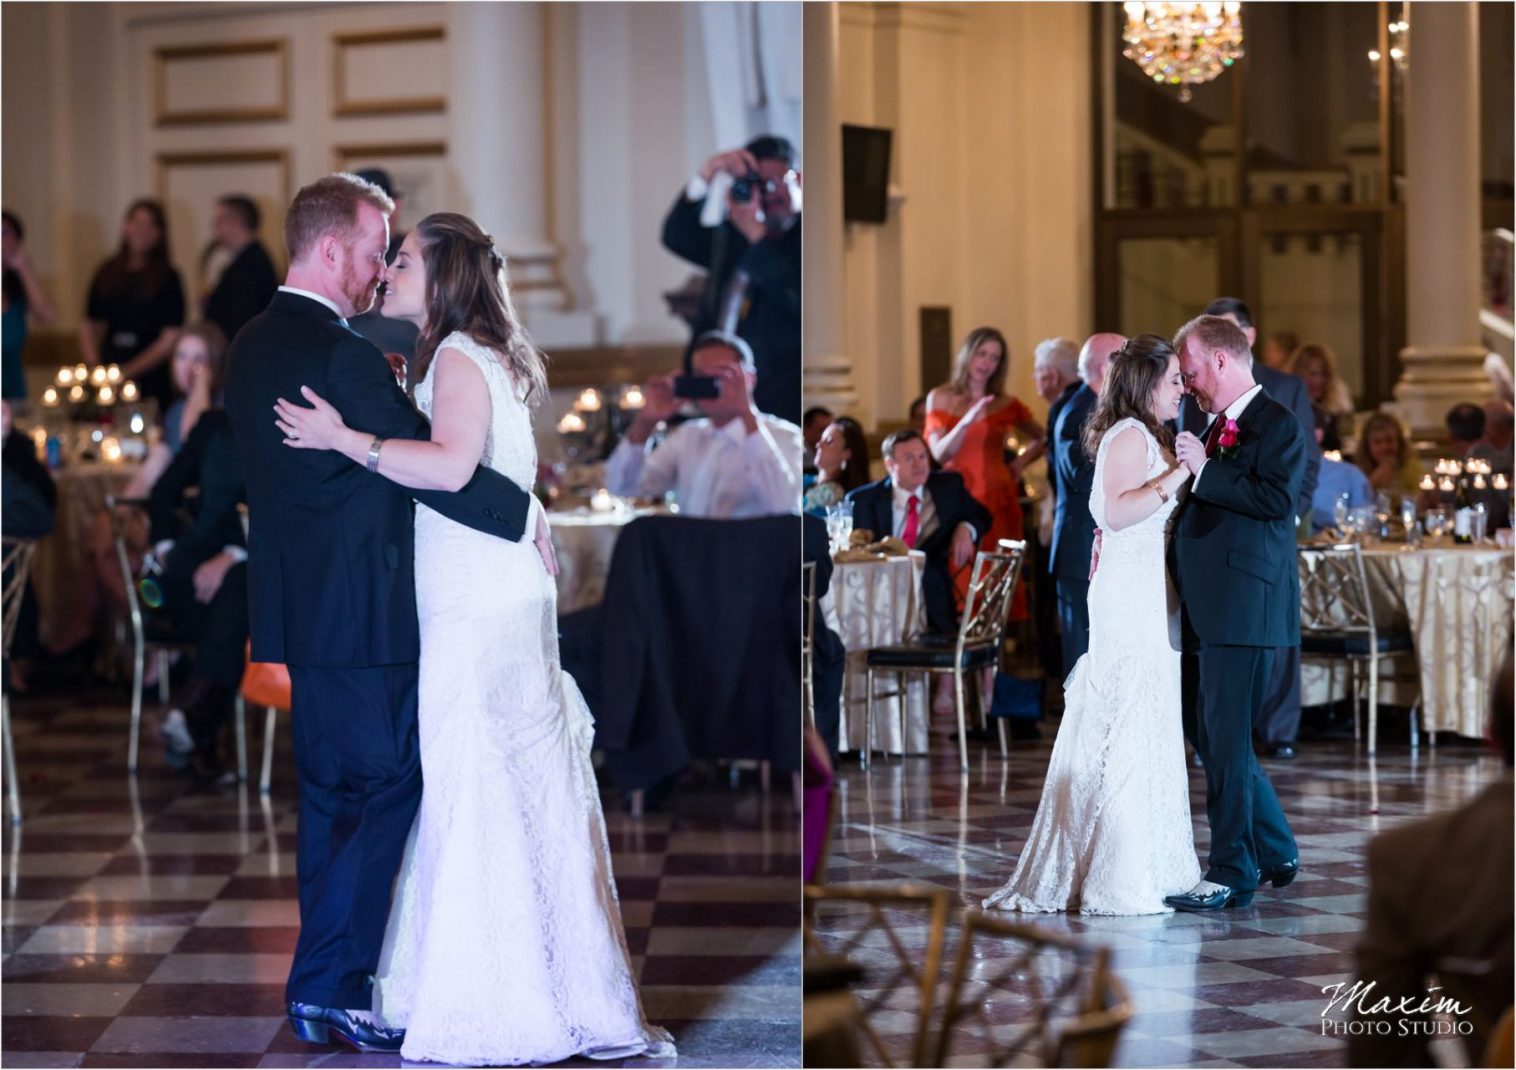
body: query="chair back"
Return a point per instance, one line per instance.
(1334, 590)
(19, 554)
(911, 967)
(114, 508)
(992, 587)
(808, 639)
(1078, 1006)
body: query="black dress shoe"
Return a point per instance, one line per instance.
(1282, 751)
(321, 1025)
(1280, 876)
(1220, 899)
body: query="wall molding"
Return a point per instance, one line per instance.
(166, 54)
(342, 105)
(165, 161)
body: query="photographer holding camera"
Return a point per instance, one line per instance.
(739, 218)
(734, 462)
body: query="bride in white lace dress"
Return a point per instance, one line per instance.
(1112, 833)
(505, 943)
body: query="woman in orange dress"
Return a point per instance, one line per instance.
(967, 421)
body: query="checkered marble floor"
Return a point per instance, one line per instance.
(1243, 988)
(148, 923)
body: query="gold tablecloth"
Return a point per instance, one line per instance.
(875, 603)
(1457, 604)
(584, 542)
(60, 572)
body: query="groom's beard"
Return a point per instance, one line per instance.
(362, 297)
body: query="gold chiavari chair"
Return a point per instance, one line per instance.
(18, 557)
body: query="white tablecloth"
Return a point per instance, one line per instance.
(584, 541)
(876, 603)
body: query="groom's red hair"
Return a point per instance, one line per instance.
(329, 206)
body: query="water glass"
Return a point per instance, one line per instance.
(1340, 512)
(1436, 523)
(1481, 520)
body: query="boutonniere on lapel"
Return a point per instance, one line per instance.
(1226, 445)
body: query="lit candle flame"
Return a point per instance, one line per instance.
(97, 377)
(129, 391)
(81, 372)
(50, 397)
(633, 398)
(1427, 483)
(107, 395)
(113, 373)
(76, 393)
(571, 423)
(110, 449)
(1501, 482)
(65, 376)
(589, 401)
(601, 501)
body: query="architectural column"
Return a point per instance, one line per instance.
(828, 374)
(498, 140)
(1444, 355)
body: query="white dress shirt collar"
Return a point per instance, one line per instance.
(1235, 409)
(315, 297)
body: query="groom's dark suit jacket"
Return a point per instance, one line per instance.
(1289, 390)
(1233, 552)
(330, 551)
(873, 510)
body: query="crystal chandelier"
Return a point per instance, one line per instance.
(1183, 44)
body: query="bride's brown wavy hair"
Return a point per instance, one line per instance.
(1135, 371)
(467, 290)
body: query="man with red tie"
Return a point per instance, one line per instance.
(929, 511)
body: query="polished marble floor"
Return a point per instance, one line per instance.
(148, 923)
(1241, 989)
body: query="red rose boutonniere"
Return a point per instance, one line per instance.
(1226, 445)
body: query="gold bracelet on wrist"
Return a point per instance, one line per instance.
(1157, 487)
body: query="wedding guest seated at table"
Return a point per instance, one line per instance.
(815, 420)
(27, 511)
(1440, 913)
(1465, 426)
(1385, 456)
(1338, 479)
(248, 281)
(732, 462)
(204, 582)
(1495, 445)
(198, 363)
(932, 512)
(842, 465)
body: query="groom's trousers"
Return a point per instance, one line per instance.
(359, 766)
(1223, 692)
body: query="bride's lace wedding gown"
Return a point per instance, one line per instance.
(1112, 833)
(505, 943)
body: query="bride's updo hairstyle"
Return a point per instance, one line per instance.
(466, 290)
(1135, 371)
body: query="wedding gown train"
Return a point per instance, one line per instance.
(1112, 833)
(505, 944)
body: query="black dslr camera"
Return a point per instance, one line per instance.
(747, 187)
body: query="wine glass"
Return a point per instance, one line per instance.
(844, 522)
(1341, 510)
(1436, 523)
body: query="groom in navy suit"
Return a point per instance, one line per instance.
(332, 595)
(1233, 558)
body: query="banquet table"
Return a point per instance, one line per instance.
(1456, 602)
(874, 603)
(60, 572)
(583, 540)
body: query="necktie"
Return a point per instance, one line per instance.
(912, 522)
(1213, 436)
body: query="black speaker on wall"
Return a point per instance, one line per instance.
(865, 174)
